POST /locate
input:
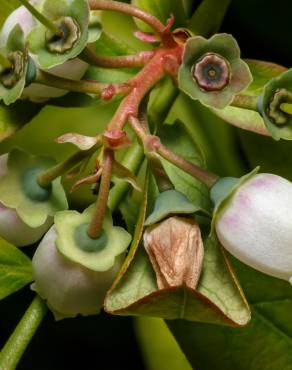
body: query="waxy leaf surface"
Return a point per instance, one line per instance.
(15, 269)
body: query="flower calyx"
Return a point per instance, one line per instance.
(96, 254)
(212, 70)
(10, 76)
(16, 75)
(273, 104)
(20, 190)
(65, 41)
(72, 19)
(170, 202)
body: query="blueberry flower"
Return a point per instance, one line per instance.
(72, 19)
(73, 69)
(68, 287)
(26, 209)
(12, 227)
(212, 70)
(253, 221)
(74, 243)
(20, 69)
(277, 92)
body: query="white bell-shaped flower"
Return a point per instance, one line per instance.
(255, 225)
(12, 228)
(19, 16)
(68, 287)
(72, 69)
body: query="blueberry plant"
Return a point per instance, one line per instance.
(105, 170)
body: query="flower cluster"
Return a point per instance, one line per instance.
(151, 204)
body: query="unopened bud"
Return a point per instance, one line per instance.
(176, 251)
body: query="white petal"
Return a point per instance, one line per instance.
(15, 231)
(256, 225)
(68, 287)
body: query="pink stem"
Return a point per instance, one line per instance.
(142, 83)
(123, 61)
(95, 227)
(152, 143)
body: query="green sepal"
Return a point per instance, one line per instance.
(170, 202)
(224, 189)
(284, 81)
(15, 269)
(225, 46)
(15, 43)
(117, 239)
(78, 10)
(14, 194)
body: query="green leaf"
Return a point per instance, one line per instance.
(15, 269)
(218, 298)
(7, 6)
(162, 9)
(200, 23)
(266, 343)
(211, 134)
(108, 45)
(176, 138)
(122, 28)
(243, 118)
(14, 116)
(262, 72)
(132, 160)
